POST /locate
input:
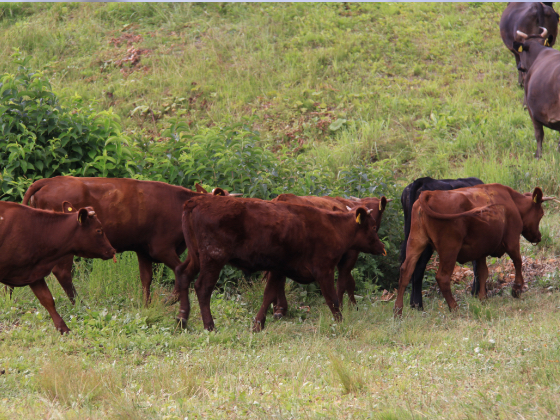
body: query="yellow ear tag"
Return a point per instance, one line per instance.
(380, 206)
(546, 44)
(69, 208)
(535, 199)
(358, 220)
(520, 48)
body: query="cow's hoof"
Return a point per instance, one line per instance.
(182, 322)
(257, 326)
(278, 315)
(171, 300)
(397, 312)
(63, 330)
(516, 293)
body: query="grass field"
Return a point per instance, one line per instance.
(421, 89)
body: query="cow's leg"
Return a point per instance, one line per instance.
(184, 275)
(414, 250)
(44, 295)
(63, 273)
(539, 135)
(326, 284)
(169, 257)
(204, 286)
(8, 290)
(443, 276)
(475, 287)
(146, 275)
(482, 272)
(418, 277)
(515, 256)
(520, 74)
(280, 309)
(274, 287)
(345, 280)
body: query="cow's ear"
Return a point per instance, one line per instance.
(537, 195)
(519, 47)
(361, 214)
(82, 216)
(67, 207)
(382, 203)
(218, 191)
(200, 189)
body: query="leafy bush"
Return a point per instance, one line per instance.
(43, 136)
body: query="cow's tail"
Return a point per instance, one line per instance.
(407, 209)
(36, 186)
(423, 201)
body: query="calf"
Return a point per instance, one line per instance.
(527, 18)
(300, 242)
(470, 224)
(345, 282)
(409, 196)
(542, 83)
(33, 241)
(139, 216)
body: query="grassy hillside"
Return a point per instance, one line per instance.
(429, 87)
(404, 90)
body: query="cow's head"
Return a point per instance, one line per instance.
(376, 206)
(528, 47)
(89, 240)
(533, 215)
(367, 239)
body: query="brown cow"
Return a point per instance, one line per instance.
(345, 282)
(542, 89)
(139, 216)
(527, 18)
(300, 242)
(469, 224)
(33, 241)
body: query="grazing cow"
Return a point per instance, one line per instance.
(527, 18)
(289, 240)
(542, 90)
(32, 241)
(470, 224)
(139, 216)
(345, 282)
(409, 196)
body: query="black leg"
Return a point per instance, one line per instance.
(418, 276)
(475, 283)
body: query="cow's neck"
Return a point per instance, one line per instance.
(55, 225)
(533, 53)
(522, 202)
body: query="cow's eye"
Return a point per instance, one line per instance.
(99, 232)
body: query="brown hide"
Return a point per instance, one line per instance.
(469, 224)
(345, 281)
(139, 216)
(527, 18)
(32, 241)
(300, 242)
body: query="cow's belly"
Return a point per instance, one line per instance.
(24, 276)
(471, 252)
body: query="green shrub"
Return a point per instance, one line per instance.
(44, 136)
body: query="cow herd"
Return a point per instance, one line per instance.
(303, 238)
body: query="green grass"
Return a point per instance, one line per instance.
(496, 359)
(421, 89)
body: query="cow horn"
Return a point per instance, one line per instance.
(522, 34)
(369, 211)
(354, 198)
(349, 208)
(544, 32)
(235, 194)
(91, 213)
(389, 200)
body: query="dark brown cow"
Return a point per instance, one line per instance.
(542, 89)
(527, 18)
(300, 242)
(32, 241)
(469, 224)
(139, 216)
(345, 281)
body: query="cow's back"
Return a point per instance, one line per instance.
(133, 212)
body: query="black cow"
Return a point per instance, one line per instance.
(408, 197)
(527, 18)
(542, 90)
